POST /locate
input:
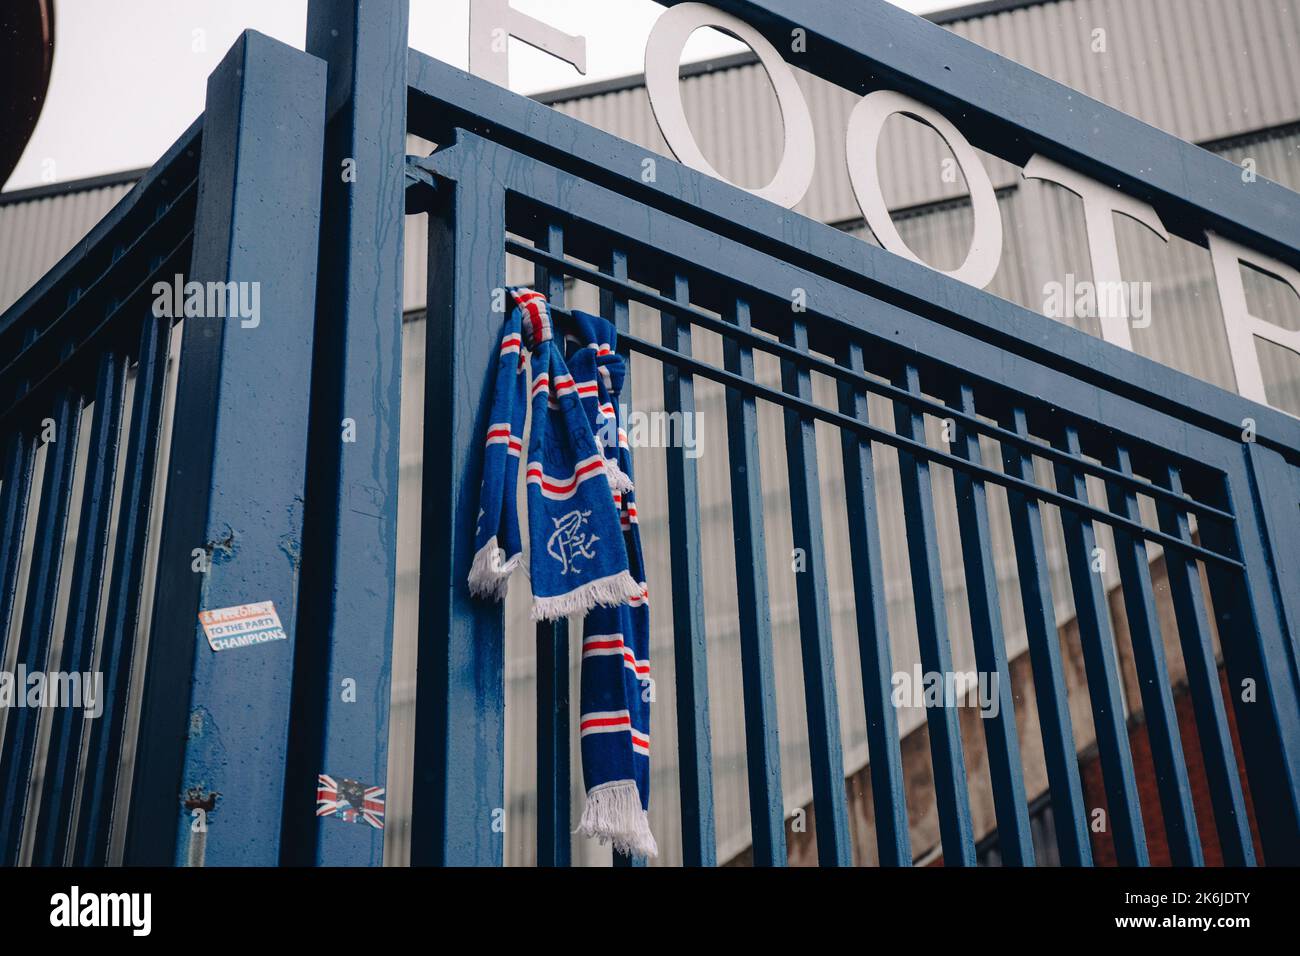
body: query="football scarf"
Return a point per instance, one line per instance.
(584, 544)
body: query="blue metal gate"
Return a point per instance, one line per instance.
(263, 501)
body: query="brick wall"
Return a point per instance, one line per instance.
(1103, 847)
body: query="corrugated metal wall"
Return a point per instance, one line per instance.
(35, 235)
(1200, 69)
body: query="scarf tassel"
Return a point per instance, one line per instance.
(609, 591)
(489, 574)
(613, 814)
(618, 479)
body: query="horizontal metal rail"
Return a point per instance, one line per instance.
(1013, 112)
(447, 105)
(133, 214)
(172, 218)
(779, 349)
(1045, 495)
(176, 257)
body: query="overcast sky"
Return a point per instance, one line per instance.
(129, 75)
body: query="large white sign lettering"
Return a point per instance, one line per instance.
(491, 25)
(865, 125)
(1100, 203)
(1243, 328)
(493, 22)
(663, 53)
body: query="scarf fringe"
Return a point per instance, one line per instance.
(489, 575)
(610, 591)
(613, 814)
(618, 479)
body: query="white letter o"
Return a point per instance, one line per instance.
(663, 54)
(865, 124)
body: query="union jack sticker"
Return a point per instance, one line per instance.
(350, 800)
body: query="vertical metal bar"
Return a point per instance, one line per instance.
(1015, 840)
(553, 763)
(1260, 661)
(19, 456)
(1275, 482)
(834, 844)
(554, 773)
(1278, 483)
(932, 631)
(615, 308)
(695, 752)
(888, 785)
(1153, 675)
(350, 527)
(66, 724)
(1212, 727)
(757, 672)
(1098, 646)
(1069, 813)
(38, 617)
(460, 697)
(237, 474)
(104, 748)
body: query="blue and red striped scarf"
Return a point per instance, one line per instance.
(585, 547)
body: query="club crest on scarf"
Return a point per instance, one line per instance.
(568, 542)
(585, 555)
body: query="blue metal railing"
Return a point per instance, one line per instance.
(73, 341)
(1080, 429)
(258, 481)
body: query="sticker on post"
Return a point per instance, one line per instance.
(242, 625)
(350, 800)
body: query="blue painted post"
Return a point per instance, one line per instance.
(213, 742)
(932, 629)
(458, 807)
(615, 308)
(1259, 656)
(694, 744)
(888, 786)
(834, 843)
(340, 722)
(554, 768)
(757, 668)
